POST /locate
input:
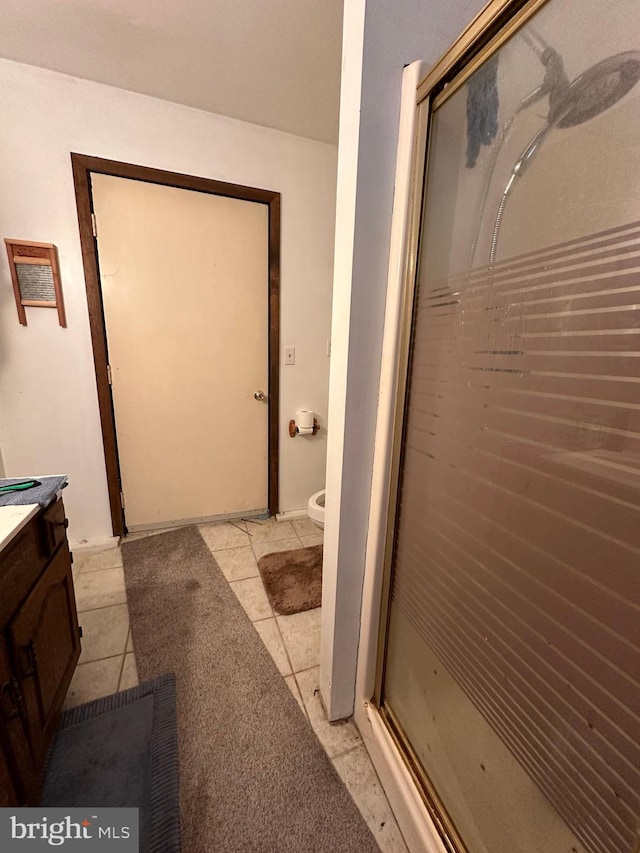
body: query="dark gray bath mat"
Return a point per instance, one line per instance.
(293, 579)
(122, 750)
(253, 776)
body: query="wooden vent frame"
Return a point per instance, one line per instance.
(38, 254)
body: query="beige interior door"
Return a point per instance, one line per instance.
(184, 278)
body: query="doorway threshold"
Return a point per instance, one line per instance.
(185, 522)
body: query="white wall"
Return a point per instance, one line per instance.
(386, 35)
(48, 404)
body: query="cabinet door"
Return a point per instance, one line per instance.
(8, 794)
(18, 776)
(46, 645)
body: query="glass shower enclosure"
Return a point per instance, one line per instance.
(510, 664)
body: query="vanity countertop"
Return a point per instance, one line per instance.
(13, 519)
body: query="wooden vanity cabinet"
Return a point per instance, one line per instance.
(18, 773)
(39, 649)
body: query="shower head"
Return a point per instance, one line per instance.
(595, 90)
(590, 94)
(570, 104)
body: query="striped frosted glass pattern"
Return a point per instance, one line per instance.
(518, 548)
(513, 646)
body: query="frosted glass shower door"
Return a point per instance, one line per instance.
(512, 663)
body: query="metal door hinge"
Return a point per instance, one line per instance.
(122, 499)
(109, 376)
(94, 226)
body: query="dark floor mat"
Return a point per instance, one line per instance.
(122, 751)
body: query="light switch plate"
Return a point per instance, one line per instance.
(289, 355)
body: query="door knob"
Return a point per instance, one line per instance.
(260, 395)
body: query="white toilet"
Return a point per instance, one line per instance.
(315, 508)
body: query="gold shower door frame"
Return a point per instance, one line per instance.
(486, 34)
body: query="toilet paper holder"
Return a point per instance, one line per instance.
(293, 428)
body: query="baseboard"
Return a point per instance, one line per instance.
(201, 519)
(414, 821)
(99, 543)
(291, 513)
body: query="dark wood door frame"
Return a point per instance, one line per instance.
(82, 166)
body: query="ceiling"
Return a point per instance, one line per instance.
(275, 64)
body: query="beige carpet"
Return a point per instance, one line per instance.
(293, 579)
(253, 776)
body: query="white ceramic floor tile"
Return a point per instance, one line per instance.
(270, 634)
(335, 738)
(93, 680)
(99, 589)
(253, 598)
(275, 546)
(220, 535)
(357, 773)
(304, 526)
(270, 530)
(129, 642)
(94, 561)
(309, 539)
(104, 632)
(293, 687)
(301, 635)
(129, 677)
(237, 563)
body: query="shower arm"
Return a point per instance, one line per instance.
(554, 85)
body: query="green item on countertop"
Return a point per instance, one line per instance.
(20, 487)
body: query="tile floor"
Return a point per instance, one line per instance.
(108, 659)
